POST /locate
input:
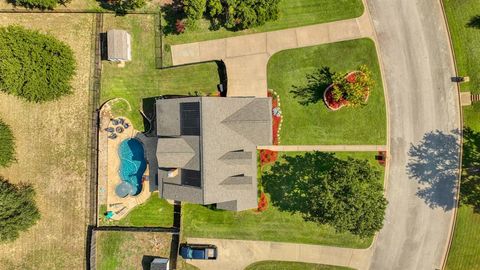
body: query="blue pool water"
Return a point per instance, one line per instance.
(132, 167)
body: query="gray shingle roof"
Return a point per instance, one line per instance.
(230, 130)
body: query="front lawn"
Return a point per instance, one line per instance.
(314, 123)
(270, 225)
(293, 13)
(139, 79)
(274, 265)
(155, 212)
(465, 32)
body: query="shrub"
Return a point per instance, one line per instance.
(123, 6)
(34, 66)
(354, 88)
(179, 26)
(41, 4)
(7, 147)
(194, 9)
(18, 210)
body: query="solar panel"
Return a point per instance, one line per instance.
(191, 178)
(190, 118)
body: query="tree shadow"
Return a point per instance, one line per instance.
(434, 164)
(171, 13)
(317, 82)
(470, 185)
(474, 22)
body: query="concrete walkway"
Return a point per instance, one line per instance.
(238, 254)
(246, 57)
(325, 148)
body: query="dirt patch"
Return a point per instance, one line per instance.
(51, 151)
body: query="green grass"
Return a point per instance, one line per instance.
(466, 40)
(293, 13)
(109, 247)
(314, 123)
(155, 212)
(271, 225)
(279, 265)
(139, 79)
(465, 250)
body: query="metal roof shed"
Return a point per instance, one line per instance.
(118, 45)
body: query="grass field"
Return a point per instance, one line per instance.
(155, 212)
(125, 250)
(139, 79)
(314, 123)
(465, 33)
(293, 13)
(466, 39)
(279, 265)
(51, 152)
(271, 225)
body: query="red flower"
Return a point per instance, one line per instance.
(262, 203)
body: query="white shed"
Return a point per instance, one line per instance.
(119, 45)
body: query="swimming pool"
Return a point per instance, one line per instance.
(132, 167)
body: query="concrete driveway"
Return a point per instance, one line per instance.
(238, 254)
(424, 134)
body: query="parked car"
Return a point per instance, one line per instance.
(198, 251)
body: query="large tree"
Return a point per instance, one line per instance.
(7, 145)
(34, 66)
(345, 194)
(18, 210)
(41, 4)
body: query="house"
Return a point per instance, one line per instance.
(118, 46)
(207, 149)
(160, 264)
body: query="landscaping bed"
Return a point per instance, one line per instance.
(269, 225)
(314, 123)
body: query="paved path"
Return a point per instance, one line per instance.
(246, 57)
(423, 104)
(238, 254)
(326, 148)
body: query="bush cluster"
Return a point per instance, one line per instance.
(18, 210)
(7, 149)
(41, 4)
(232, 14)
(34, 66)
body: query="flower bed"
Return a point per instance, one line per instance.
(336, 104)
(268, 156)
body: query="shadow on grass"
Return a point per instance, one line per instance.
(317, 83)
(171, 13)
(434, 164)
(470, 186)
(474, 22)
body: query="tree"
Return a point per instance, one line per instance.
(7, 145)
(243, 14)
(18, 210)
(34, 66)
(41, 4)
(123, 6)
(194, 9)
(345, 194)
(353, 87)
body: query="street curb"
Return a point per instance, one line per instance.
(387, 106)
(457, 195)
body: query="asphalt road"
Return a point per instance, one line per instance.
(424, 134)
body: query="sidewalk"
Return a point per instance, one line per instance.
(325, 148)
(238, 254)
(246, 57)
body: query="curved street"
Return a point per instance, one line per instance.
(424, 119)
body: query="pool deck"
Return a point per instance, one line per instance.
(109, 165)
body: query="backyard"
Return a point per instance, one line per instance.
(464, 23)
(314, 124)
(52, 150)
(270, 225)
(155, 212)
(140, 79)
